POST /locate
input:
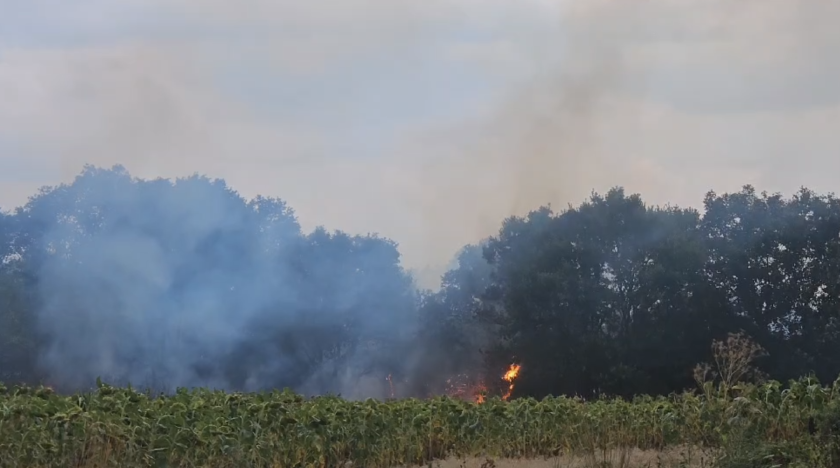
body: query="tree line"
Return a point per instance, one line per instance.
(185, 282)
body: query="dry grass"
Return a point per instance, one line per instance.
(675, 458)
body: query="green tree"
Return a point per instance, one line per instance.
(607, 297)
(778, 262)
(453, 338)
(18, 337)
(184, 282)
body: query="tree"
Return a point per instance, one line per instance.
(778, 262)
(184, 282)
(18, 337)
(595, 294)
(454, 333)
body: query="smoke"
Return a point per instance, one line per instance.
(441, 117)
(668, 99)
(428, 122)
(163, 284)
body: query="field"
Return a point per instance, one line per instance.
(743, 426)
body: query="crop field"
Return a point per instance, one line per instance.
(766, 425)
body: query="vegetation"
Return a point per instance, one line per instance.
(761, 425)
(164, 284)
(726, 424)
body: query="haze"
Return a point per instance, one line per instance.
(427, 122)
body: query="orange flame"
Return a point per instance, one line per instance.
(478, 393)
(465, 387)
(510, 376)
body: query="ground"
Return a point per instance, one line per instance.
(676, 458)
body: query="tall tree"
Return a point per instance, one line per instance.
(184, 282)
(453, 338)
(593, 296)
(778, 262)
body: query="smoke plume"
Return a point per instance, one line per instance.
(428, 122)
(439, 117)
(184, 283)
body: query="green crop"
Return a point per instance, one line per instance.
(201, 428)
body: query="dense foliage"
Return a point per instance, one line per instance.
(121, 427)
(184, 283)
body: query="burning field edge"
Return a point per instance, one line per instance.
(771, 424)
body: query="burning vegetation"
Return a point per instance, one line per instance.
(509, 377)
(465, 387)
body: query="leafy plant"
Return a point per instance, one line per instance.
(122, 427)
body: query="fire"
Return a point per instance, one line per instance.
(479, 392)
(463, 387)
(510, 376)
(469, 387)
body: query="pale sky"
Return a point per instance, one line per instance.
(427, 121)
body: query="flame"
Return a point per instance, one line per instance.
(479, 392)
(468, 387)
(462, 386)
(510, 376)
(465, 387)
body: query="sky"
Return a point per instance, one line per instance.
(429, 121)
